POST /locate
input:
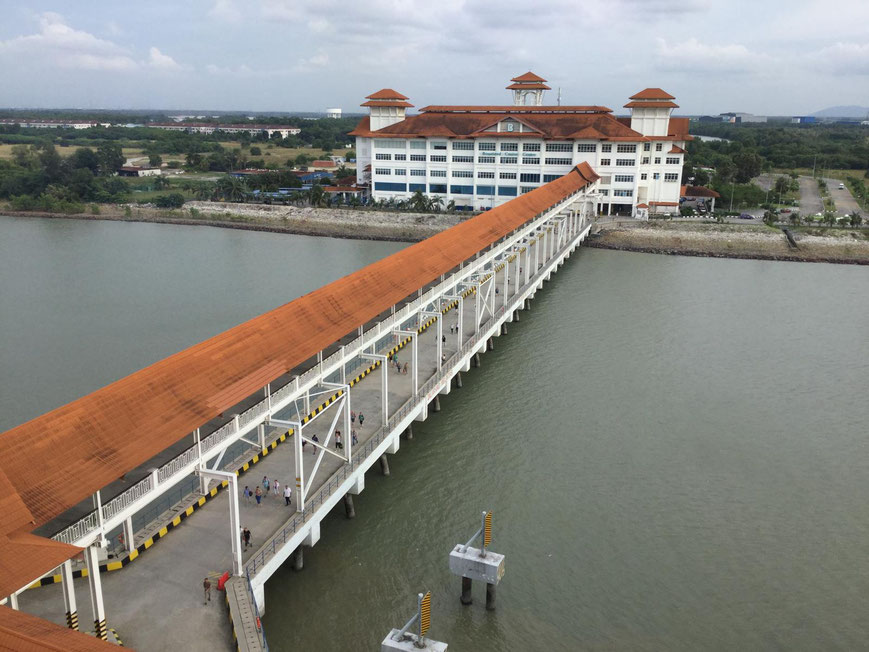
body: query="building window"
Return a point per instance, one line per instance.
(529, 178)
(417, 144)
(586, 147)
(383, 157)
(435, 188)
(463, 159)
(604, 162)
(384, 171)
(485, 159)
(462, 190)
(643, 176)
(604, 192)
(509, 161)
(509, 147)
(486, 175)
(525, 189)
(656, 176)
(671, 177)
(486, 147)
(438, 145)
(624, 178)
(417, 173)
(657, 160)
(507, 191)
(645, 160)
(413, 187)
(658, 147)
(463, 174)
(626, 149)
(401, 172)
(485, 190)
(390, 144)
(530, 161)
(507, 175)
(623, 193)
(437, 158)
(626, 162)
(558, 161)
(647, 147)
(401, 157)
(606, 147)
(464, 144)
(551, 177)
(605, 181)
(417, 157)
(437, 173)
(559, 147)
(390, 187)
(530, 147)
(673, 160)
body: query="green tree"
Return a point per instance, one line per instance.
(855, 219)
(111, 157)
(829, 218)
(782, 185)
(748, 165)
(255, 151)
(419, 202)
(155, 160)
(85, 157)
(161, 182)
(317, 195)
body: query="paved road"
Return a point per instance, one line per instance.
(155, 603)
(845, 202)
(810, 198)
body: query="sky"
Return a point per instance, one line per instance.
(770, 57)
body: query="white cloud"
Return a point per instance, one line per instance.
(843, 58)
(160, 61)
(319, 59)
(225, 10)
(691, 55)
(319, 25)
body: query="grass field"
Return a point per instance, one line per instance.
(829, 174)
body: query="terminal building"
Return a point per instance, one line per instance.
(482, 156)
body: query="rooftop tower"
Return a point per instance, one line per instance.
(386, 107)
(528, 87)
(650, 111)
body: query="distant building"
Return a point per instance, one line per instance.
(803, 119)
(324, 165)
(739, 118)
(209, 128)
(712, 118)
(483, 156)
(136, 171)
(32, 123)
(333, 113)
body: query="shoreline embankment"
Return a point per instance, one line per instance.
(748, 241)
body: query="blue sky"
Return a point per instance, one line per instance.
(763, 56)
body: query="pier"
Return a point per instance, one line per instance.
(159, 459)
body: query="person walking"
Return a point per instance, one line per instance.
(288, 493)
(246, 538)
(361, 419)
(353, 437)
(339, 445)
(206, 586)
(247, 493)
(352, 416)
(404, 369)
(444, 339)
(316, 440)
(265, 486)
(276, 487)
(259, 496)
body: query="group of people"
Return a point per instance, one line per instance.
(454, 328)
(261, 491)
(399, 368)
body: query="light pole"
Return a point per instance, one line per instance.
(732, 184)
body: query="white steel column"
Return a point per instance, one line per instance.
(384, 383)
(203, 481)
(129, 534)
(345, 394)
(440, 336)
(234, 517)
(13, 601)
(68, 590)
(414, 357)
(92, 559)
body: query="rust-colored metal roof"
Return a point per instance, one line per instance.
(25, 557)
(528, 77)
(396, 103)
(23, 632)
(652, 105)
(512, 108)
(64, 456)
(530, 86)
(676, 150)
(386, 94)
(652, 94)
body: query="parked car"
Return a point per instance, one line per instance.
(785, 210)
(841, 186)
(746, 216)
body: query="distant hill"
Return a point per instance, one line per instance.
(843, 112)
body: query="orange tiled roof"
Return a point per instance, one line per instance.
(697, 191)
(678, 128)
(592, 126)
(664, 203)
(26, 633)
(676, 150)
(642, 205)
(528, 77)
(652, 105)
(529, 86)
(652, 94)
(386, 94)
(115, 429)
(397, 103)
(341, 189)
(511, 108)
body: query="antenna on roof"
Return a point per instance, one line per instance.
(559, 96)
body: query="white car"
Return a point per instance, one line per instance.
(841, 186)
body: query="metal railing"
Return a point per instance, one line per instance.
(121, 501)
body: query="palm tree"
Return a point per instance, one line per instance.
(436, 203)
(203, 191)
(317, 195)
(451, 206)
(232, 188)
(161, 182)
(419, 202)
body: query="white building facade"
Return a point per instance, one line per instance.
(481, 156)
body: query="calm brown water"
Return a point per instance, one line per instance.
(675, 448)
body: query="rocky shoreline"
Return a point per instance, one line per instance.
(734, 241)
